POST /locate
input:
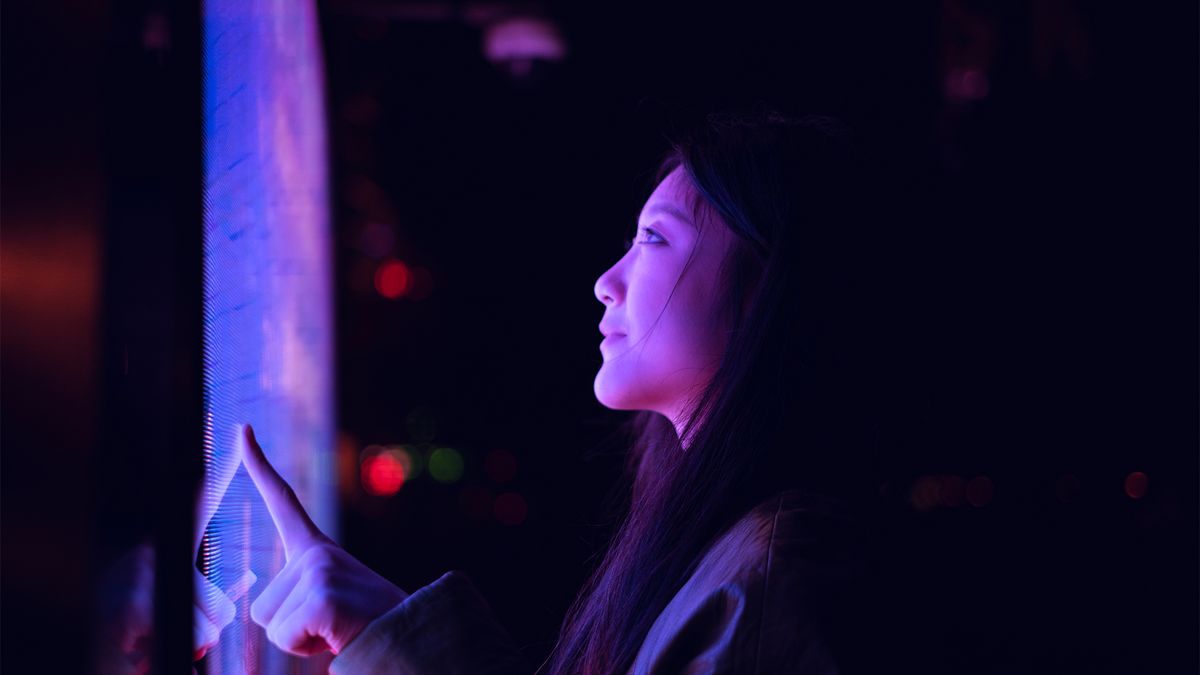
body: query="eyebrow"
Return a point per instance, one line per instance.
(671, 211)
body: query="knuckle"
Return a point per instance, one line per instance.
(318, 576)
(318, 556)
(321, 597)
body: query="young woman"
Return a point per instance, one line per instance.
(737, 326)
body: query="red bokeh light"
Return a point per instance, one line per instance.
(510, 508)
(392, 279)
(382, 474)
(1136, 484)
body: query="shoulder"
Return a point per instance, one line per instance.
(807, 571)
(758, 598)
(789, 528)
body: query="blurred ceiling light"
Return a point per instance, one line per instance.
(516, 43)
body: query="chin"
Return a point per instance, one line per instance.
(610, 394)
(615, 394)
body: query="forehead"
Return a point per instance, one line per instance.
(674, 193)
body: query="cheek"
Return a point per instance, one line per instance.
(656, 370)
(635, 375)
(672, 345)
(691, 331)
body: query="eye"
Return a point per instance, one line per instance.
(649, 233)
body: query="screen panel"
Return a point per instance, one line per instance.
(267, 302)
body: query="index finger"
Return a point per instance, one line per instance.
(291, 520)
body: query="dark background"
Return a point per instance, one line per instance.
(1042, 161)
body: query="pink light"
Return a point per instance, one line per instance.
(522, 39)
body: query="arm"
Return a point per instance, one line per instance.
(445, 627)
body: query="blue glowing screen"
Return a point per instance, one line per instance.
(267, 303)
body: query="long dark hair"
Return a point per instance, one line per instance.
(789, 404)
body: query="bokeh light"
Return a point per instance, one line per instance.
(516, 43)
(445, 465)
(1136, 485)
(392, 279)
(382, 473)
(980, 491)
(500, 465)
(510, 508)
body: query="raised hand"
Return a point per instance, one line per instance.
(323, 597)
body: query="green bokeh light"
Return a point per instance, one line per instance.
(446, 465)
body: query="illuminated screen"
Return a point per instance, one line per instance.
(267, 303)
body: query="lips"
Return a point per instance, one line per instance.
(608, 342)
(607, 330)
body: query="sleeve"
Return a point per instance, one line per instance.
(446, 628)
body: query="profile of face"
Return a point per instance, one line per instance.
(662, 348)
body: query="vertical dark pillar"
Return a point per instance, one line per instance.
(152, 427)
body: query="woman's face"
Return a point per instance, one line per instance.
(659, 353)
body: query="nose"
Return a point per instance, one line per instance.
(608, 287)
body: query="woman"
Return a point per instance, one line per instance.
(734, 325)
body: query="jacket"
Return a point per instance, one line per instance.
(755, 603)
